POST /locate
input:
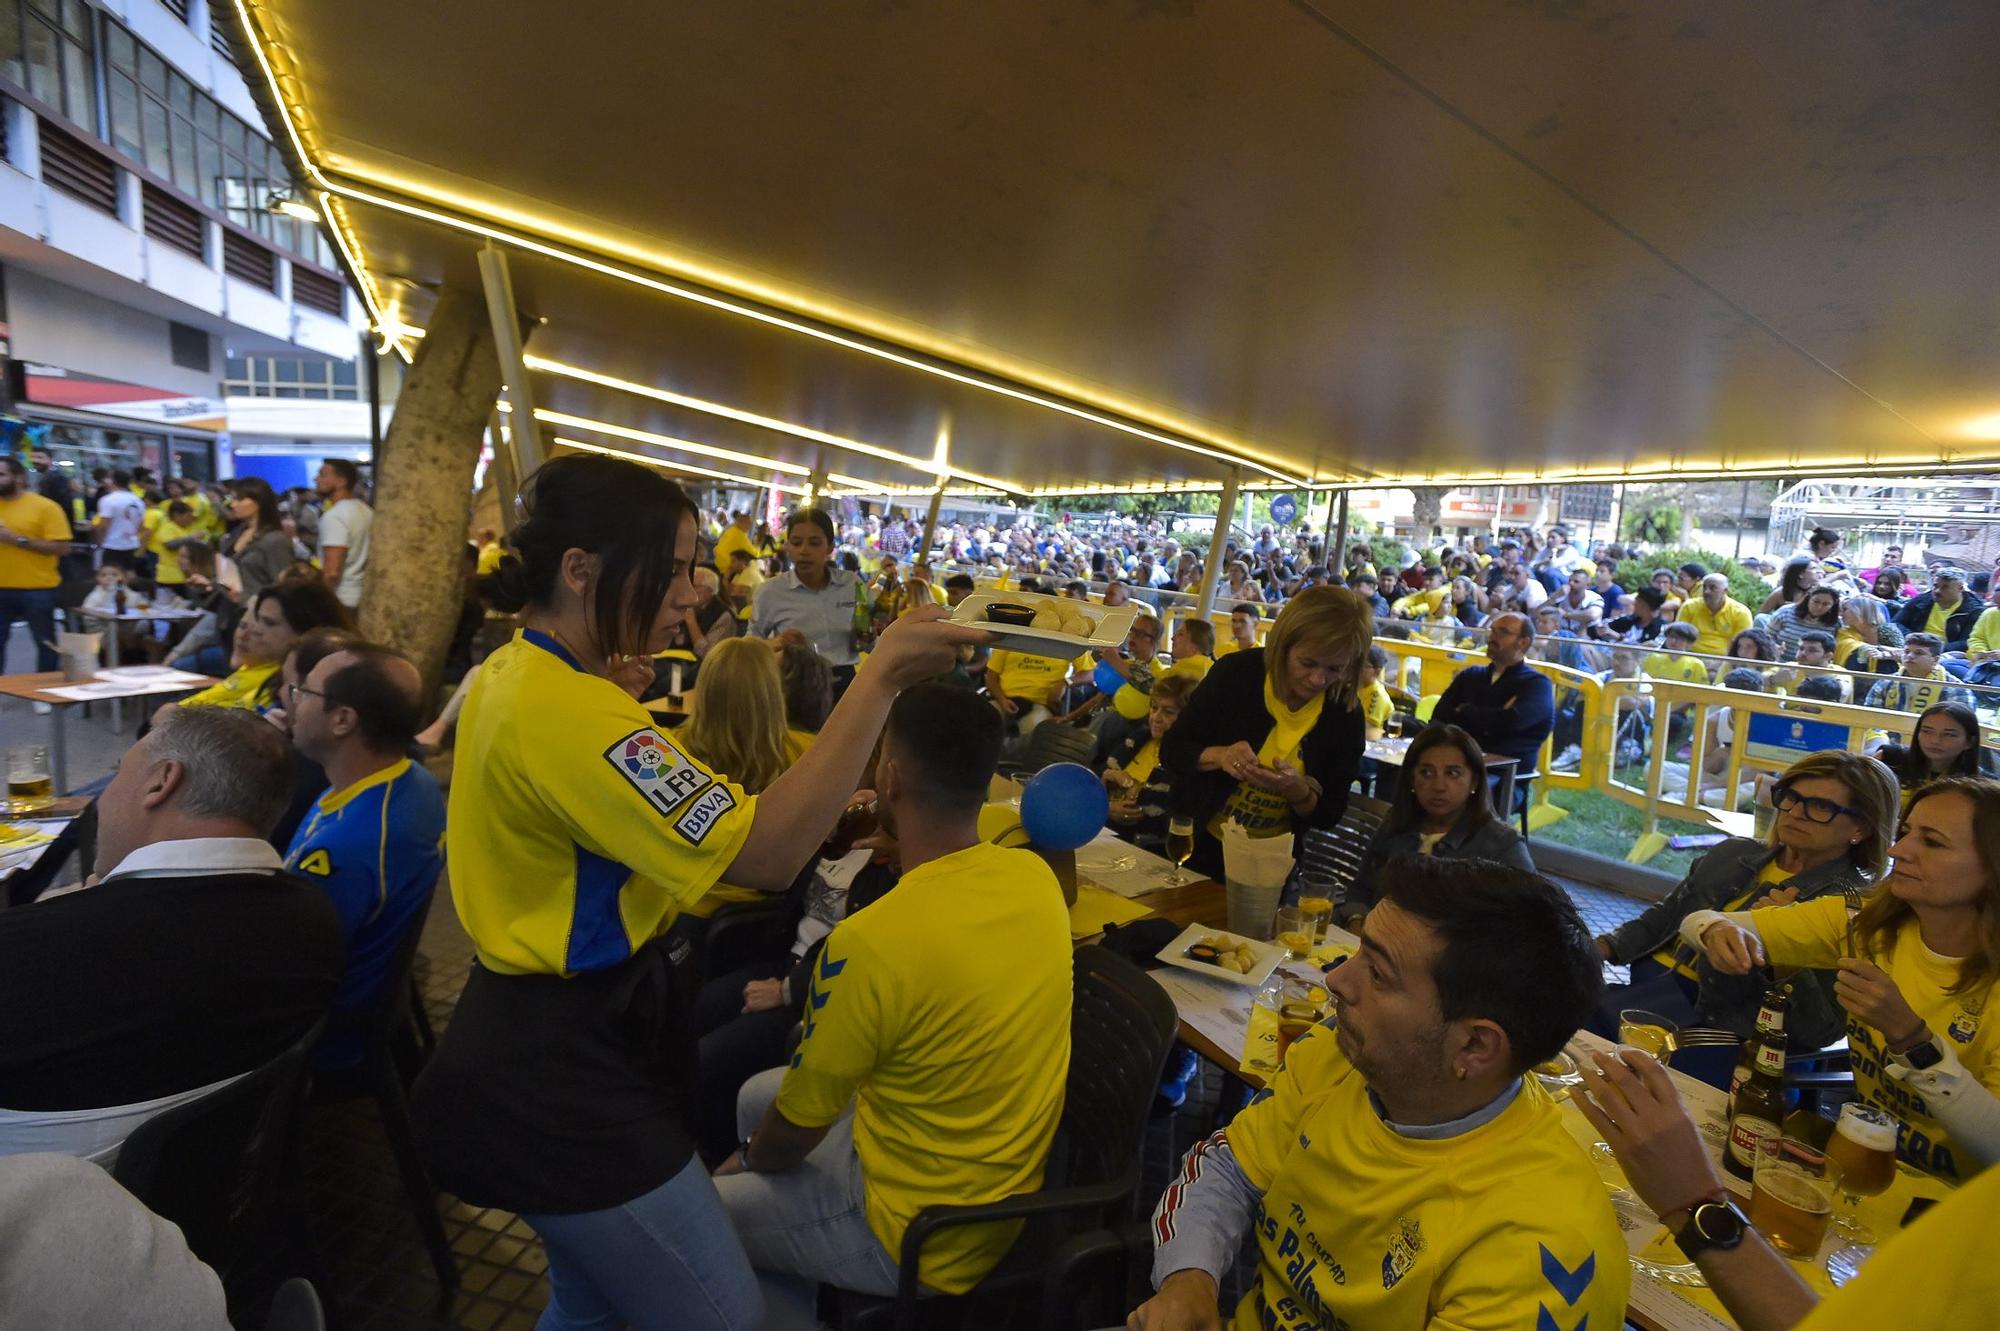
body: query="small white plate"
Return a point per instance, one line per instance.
(1112, 625)
(1268, 955)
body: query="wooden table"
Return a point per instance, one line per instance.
(52, 819)
(35, 688)
(140, 615)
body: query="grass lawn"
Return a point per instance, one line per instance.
(1609, 827)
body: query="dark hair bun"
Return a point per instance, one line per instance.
(506, 587)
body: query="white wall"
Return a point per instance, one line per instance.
(60, 325)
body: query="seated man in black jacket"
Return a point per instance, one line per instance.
(190, 960)
(1506, 704)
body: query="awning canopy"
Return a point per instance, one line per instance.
(1045, 246)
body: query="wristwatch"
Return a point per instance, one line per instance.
(1924, 1056)
(1711, 1224)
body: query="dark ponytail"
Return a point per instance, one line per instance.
(628, 515)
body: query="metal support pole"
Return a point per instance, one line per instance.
(506, 482)
(930, 524)
(371, 365)
(1336, 551)
(500, 308)
(1211, 569)
(1742, 516)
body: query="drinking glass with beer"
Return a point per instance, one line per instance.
(1791, 1198)
(1180, 847)
(1864, 1146)
(1296, 931)
(30, 787)
(1649, 1032)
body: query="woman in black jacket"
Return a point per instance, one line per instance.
(1442, 808)
(1272, 737)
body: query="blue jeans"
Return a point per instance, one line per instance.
(667, 1261)
(806, 1226)
(36, 607)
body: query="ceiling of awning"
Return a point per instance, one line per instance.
(1134, 241)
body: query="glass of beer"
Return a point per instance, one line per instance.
(1180, 846)
(1297, 931)
(1864, 1146)
(1791, 1198)
(30, 787)
(1649, 1032)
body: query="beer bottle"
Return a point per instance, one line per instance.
(1771, 1012)
(1758, 1106)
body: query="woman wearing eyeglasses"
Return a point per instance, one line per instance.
(1917, 967)
(1836, 819)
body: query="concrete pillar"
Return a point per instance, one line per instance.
(423, 484)
(930, 523)
(505, 318)
(1336, 550)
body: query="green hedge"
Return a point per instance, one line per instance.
(1745, 585)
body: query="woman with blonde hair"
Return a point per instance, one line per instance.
(1272, 736)
(1836, 818)
(1917, 967)
(737, 730)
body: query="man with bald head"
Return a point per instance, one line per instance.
(1506, 704)
(374, 840)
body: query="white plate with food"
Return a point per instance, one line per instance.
(1040, 625)
(1226, 956)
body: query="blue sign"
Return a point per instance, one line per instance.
(1283, 508)
(1778, 738)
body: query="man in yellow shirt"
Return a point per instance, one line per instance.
(1402, 1171)
(1243, 622)
(936, 1042)
(1717, 617)
(736, 536)
(33, 533)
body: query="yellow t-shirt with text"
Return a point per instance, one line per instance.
(1685, 669)
(1678, 957)
(575, 828)
(1028, 678)
(1503, 1226)
(942, 1013)
(243, 688)
(1376, 705)
(1813, 933)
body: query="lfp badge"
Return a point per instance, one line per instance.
(656, 769)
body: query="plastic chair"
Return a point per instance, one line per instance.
(217, 1166)
(1050, 743)
(1122, 1025)
(395, 1051)
(295, 1307)
(1339, 852)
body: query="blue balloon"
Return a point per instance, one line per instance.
(1106, 679)
(1064, 806)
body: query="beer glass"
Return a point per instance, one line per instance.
(1180, 846)
(1864, 1146)
(1298, 931)
(1649, 1032)
(30, 787)
(1791, 1197)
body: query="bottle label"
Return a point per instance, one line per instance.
(1745, 1131)
(1769, 1017)
(1771, 1060)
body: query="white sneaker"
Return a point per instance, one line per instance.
(1569, 757)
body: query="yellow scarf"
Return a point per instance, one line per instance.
(1144, 762)
(1261, 812)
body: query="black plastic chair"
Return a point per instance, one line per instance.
(1121, 1027)
(1524, 783)
(218, 1166)
(1337, 853)
(295, 1307)
(395, 1053)
(1050, 743)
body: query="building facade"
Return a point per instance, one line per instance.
(147, 267)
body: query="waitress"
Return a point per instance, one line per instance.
(575, 829)
(1272, 737)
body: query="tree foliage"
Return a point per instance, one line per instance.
(1744, 584)
(1654, 524)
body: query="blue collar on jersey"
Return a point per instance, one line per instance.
(551, 646)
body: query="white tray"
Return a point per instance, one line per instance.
(1112, 625)
(1268, 955)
